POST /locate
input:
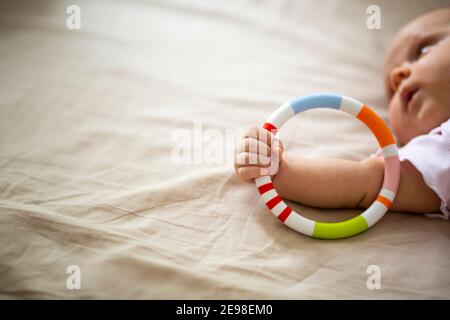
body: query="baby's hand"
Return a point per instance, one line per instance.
(258, 154)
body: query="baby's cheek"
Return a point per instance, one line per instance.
(397, 122)
(393, 117)
(432, 115)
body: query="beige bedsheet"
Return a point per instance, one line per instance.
(87, 176)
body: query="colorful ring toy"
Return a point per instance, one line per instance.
(379, 207)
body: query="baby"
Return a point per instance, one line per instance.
(417, 77)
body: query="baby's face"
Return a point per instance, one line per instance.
(417, 76)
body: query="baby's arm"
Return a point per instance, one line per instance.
(337, 183)
(331, 183)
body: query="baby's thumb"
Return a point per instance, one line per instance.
(277, 149)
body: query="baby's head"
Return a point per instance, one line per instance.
(417, 75)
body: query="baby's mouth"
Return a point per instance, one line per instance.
(407, 97)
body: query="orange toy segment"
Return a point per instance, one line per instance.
(387, 203)
(376, 125)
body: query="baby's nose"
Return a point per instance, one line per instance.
(397, 75)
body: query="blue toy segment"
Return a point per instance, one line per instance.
(318, 100)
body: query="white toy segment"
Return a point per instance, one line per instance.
(387, 194)
(374, 213)
(350, 106)
(389, 151)
(281, 115)
(278, 208)
(300, 224)
(262, 181)
(269, 195)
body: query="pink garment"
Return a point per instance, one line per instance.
(430, 154)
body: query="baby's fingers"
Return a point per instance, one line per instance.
(259, 134)
(253, 146)
(249, 172)
(247, 158)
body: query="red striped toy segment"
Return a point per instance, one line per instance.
(265, 187)
(270, 127)
(376, 125)
(285, 214)
(273, 202)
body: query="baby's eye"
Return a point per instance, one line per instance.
(424, 50)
